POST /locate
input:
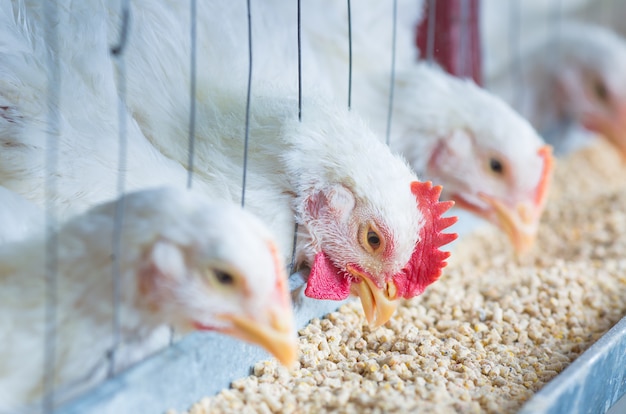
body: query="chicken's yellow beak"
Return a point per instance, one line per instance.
(276, 336)
(521, 223)
(378, 304)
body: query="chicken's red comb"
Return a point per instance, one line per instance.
(427, 261)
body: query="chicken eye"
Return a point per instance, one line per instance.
(601, 91)
(373, 239)
(496, 166)
(223, 278)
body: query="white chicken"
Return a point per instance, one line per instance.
(571, 81)
(488, 159)
(368, 226)
(184, 261)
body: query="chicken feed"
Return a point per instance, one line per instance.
(493, 331)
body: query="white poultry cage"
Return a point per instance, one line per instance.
(190, 369)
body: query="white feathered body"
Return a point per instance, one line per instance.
(83, 146)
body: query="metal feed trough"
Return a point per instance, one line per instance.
(593, 383)
(202, 364)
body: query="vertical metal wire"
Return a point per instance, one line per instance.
(464, 40)
(52, 254)
(118, 53)
(430, 41)
(349, 56)
(392, 82)
(292, 265)
(247, 132)
(299, 64)
(192, 94)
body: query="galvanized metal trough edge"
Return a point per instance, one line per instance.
(593, 383)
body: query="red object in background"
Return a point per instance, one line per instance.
(456, 43)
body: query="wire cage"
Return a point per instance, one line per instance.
(196, 366)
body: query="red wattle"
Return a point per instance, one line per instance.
(326, 281)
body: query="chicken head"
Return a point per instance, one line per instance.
(361, 255)
(588, 83)
(504, 183)
(216, 269)
(488, 159)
